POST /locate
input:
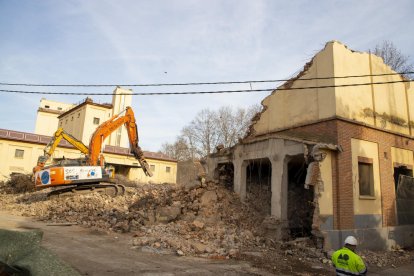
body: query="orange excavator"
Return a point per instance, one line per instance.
(90, 173)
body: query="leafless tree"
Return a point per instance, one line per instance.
(210, 129)
(179, 150)
(393, 57)
(233, 124)
(187, 134)
(204, 131)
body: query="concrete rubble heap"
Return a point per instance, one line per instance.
(199, 219)
(203, 219)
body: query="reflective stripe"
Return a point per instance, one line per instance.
(344, 272)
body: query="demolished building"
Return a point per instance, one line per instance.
(331, 154)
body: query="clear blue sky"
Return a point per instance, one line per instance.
(134, 41)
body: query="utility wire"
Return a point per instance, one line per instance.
(198, 83)
(207, 92)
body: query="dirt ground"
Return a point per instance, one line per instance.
(92, 252)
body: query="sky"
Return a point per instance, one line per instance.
(177, 41)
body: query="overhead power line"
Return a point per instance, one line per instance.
(207, 92)
(199, 83)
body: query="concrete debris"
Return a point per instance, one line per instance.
(207, 220)
(394, 257)
(18, 183)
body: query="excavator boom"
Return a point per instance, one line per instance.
(54, 142)
(105, 129)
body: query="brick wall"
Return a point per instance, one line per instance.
(341, 131)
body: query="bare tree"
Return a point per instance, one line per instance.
(208, 130)
(204, 132)
(234, 124)
(179, 150)
(393, 57)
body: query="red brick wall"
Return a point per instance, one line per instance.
(341, 132)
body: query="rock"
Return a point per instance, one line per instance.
(221, 251)
(180, 253)
(192, 185)
(288, 252)
(174, 243)
(208, 198)
(167, 214)
(329, 254)
(247, 235)
(233, 252)
(198, 224)
(148, 249)
(198, 247)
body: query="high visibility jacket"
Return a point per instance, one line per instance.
(347, 262)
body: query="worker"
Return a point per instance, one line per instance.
(346, 261)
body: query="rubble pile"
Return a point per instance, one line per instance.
(392, 258)
(18, 183)
(204, 219)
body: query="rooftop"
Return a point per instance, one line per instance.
(43, 140)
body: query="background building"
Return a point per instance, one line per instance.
(81, 120)
(47, 116)
(20, 150)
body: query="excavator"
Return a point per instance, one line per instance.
(54, 142)
(90, 173)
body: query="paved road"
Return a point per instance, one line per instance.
(94, 253)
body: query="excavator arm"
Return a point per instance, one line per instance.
(54, 142)
(106, 128)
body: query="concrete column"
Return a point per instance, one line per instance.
(278, 193)
(240, 178)
(211, 166)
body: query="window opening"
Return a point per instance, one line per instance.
(366, 178)
(19, 153)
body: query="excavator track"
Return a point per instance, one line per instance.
(106, 188)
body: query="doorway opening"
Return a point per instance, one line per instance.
(401, 170)
(258, 185)
(225, 175)
(300, 200)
